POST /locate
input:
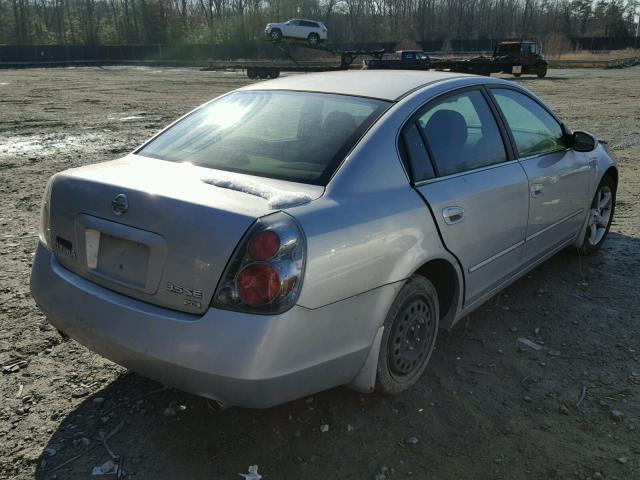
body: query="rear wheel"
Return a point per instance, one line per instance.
(251, 73)
(600, 216)
(409, 336)
(313, 39)
(541, 71)
(274, 73)
(263, 73)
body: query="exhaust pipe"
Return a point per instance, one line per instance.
(216, 405)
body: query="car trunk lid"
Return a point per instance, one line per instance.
(159, 231)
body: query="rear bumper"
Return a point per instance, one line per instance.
(240, 359)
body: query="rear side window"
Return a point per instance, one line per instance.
(462, 133)
(297, 136)
(417, 156)
(309, 24)
(534, 130)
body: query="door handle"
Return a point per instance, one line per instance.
(536, 189)
(452, 215)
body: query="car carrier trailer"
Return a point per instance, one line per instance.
(272, 69)
(513, 57)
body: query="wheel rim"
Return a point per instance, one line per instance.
(313, 39)
(275, 35)
(599, 216)
(411, 337)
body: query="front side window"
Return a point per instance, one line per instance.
(534, 130)
(462, 133)
(297, 136)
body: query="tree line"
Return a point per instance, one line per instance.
(229, 21)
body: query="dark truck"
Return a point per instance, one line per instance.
(524, 54)
(514, 57)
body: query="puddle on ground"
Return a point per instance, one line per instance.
(43, 144)
(129, 118)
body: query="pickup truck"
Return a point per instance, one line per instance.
(401, 60)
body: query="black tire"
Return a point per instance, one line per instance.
(403, 354)
(541, 71)
(263, 73)
(347, 59)
(251, 73)
(313, 39)
(591, 244)
(275, 35)
(273, 73)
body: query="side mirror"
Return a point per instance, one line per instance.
(584, 142)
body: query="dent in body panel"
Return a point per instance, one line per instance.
(488, 240)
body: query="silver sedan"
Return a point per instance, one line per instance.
(314, 231)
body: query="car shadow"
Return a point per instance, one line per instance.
(487, 403)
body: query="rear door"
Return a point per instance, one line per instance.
(558, 176)
(295, 29)
(477, 192)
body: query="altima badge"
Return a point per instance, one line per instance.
(120, 204)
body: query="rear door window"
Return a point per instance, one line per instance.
(533, 128)
(462, 133)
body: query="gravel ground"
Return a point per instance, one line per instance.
(486, 408)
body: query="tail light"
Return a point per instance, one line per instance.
(45, 216)
(265, 273)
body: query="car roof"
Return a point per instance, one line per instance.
(385, 85)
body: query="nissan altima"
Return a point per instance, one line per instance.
(314, 231)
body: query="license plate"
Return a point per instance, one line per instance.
(117, 258)
(516, 69)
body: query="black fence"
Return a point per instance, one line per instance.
(487, 44)
(605, 43)
(170, 53)
(48, 54)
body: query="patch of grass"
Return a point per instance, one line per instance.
(586, 55)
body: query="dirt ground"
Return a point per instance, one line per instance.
(486, 408)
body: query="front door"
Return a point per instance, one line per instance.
(558, 176)
(477, 194)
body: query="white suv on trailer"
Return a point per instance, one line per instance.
(312, 31)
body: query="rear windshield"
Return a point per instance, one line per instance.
(297, 136)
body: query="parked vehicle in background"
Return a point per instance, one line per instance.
(523, 57)
(401, 60)
(513, 57)
(312, 31)
(231, 255)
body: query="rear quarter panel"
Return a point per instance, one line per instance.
(371, 228)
